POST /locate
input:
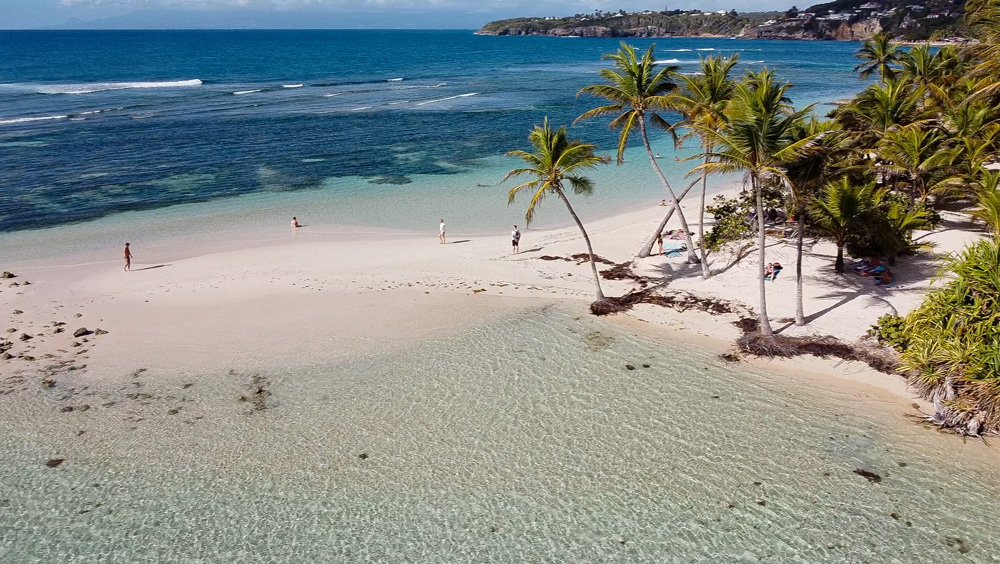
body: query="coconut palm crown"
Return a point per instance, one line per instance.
(758, 139)
(556, 161)
(637, 90)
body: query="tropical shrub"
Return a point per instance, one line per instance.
(731, 223)
(952, 339)
(890, 331)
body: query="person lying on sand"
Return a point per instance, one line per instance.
(771, 270)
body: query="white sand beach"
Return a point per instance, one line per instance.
(379, 396)
(301, 298)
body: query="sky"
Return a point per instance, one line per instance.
(348, 14)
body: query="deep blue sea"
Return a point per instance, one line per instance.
(98, 122)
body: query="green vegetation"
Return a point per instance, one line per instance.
(866, 178)
(644, 24)
(939, 122)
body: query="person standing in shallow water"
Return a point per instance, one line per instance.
(441, 232)
(128, 258)
(515, 239)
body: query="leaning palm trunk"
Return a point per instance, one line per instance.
(765, 324)
(692, 254)
(800, 316)
(586, 239)
(701, 214)
(647, 247)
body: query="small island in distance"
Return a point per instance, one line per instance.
(908, 20)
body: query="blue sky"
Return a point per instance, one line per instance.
(462, 14)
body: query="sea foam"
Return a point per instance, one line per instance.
(447, 98)
(91, 87)
(29, 119)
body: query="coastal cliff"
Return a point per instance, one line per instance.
(849, 20)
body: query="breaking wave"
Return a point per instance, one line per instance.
(91, 87)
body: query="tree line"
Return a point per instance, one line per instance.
(876, 169)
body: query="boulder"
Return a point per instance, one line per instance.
(100, 331)
(81, 332)
(7, 274)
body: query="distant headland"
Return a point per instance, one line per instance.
(908, 20)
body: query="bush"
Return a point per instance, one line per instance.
(730, 221)
(890, 330)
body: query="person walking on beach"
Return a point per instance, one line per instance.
(441, 232)
(128, 258)
(515, 239)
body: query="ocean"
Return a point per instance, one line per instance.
(384, 129)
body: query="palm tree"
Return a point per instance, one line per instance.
(757, 139)
(988, 194)
(841, 212)
(983, 18)
(636, 91)
(920, 155)
(806, 177)
(878, 55)
(703, 101)
(877, 110)
(921, 66)
(557, 160)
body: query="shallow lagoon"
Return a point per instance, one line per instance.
(521, 439)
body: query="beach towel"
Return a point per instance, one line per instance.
(671, 249)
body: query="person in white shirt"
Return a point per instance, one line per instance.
(441, 232)
(515, 239)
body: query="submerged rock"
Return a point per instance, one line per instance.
(870, 476)
(53, 462)
(390, 179)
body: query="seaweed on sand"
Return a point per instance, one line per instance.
(879, 358)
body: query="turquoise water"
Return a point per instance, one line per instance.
(523, 438)
(387, 128)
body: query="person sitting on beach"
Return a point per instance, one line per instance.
(295, 222)
(885, 278)
(663, 202)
